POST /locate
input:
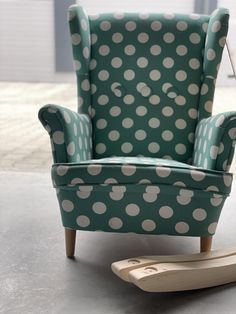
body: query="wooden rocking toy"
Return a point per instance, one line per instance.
(179, 272)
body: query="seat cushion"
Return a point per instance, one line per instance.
(140, 170)
(141, 195)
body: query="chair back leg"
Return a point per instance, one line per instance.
(70, 238)
(205, 244)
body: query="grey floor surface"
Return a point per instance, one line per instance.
(36, 277)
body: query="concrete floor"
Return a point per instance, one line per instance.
(37, 278)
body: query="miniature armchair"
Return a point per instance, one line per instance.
(143, 153)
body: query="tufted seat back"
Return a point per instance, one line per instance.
(144, 79)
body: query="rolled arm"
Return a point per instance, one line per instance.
(215, 141)
(70, 133)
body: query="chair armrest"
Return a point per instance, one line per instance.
(215, 141)
(70, 133)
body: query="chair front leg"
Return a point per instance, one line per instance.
(70, 238)
(205, 244)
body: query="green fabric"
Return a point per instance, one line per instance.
(215, 142)
(145, 90)
(69, 131)
(146, 72)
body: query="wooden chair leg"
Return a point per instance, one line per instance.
(70, 237)
(205, 244)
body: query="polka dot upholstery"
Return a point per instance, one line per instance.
(215, 142)
(143, 153)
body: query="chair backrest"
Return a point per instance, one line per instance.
(146, 79)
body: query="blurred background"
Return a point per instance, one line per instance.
(36, 68)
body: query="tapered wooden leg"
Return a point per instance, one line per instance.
(70, 237)
(205, 244)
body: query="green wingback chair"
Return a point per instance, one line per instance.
(143, 153)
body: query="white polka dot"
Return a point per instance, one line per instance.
(166, 212)
(211, 54)
(180, 149)
(132, 210)
(105, 25)
(93, 64)
(129, 75)
(85, 85)
(128, 170)
(103, 100)
(155, 50)
(127, 123)
(94, 170)
(76, 181)
(128, 99)
(67, 205)
(113, 135)
(66, 117)
(199, 214)
(222, 41)
(212, 228)
(126, 147)
(83, 221)
(193, 113)
(71, 148)
(104, 50)
(155, 75)
(156, 26)
(181, 75)
(153, 147)
(167, 135)
(194, 16)
(204, 89)
(180, 100)
(148, 225)
(182, 25)
(143, 38)
(182, 227)
(208, 106)
(154, 123)
(76, 39)
(140, 135)
(154, 99)
(181, 50)
(214, 151)
(58, 137)
(99, 208)
(232, 133)
(180, 124)
(119, 15)
(117, 38)
(168, 63)
(130, 50)
(167, 111)
(216, 201)
(77, 65)
(197, 175)
(195, 38)
(194, 63)
(101, 124)
(115, 111)
(100, 148)
(142, 62)
(116, 62)
(103, 75)
(115, 223)
(163, 172)
(227, 180)
(216, 26)
(94, 39)
(220, 121)
(130, 26)
(62, 170)
(141, 111)
(193, 89)
(169, 38)
(83, 24)
(86, 52)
